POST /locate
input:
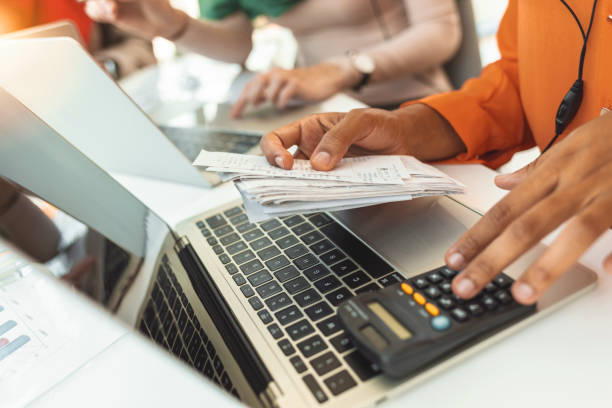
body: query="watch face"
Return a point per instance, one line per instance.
(364, 63)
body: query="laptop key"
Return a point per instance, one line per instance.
(252, 235)
(311, 237)
(236, 247)
(339, 296)
(332, 256)
(296, 251)
(321, 247)
(356, 279)
(296, 285)
(200, 224)
(286, 273)
(267, 253)
(314, 387)
(320, 220)
(212, 241)
(361, 366)
(255, 303)
(260, 243)
(288, 315)
(206, 232)
(318, 311)
(231, 268)
(229, 239)
(270, 225)
(218, 365)
(287, 241)
(232, 211)
(286, 347)
(242, 228)
(259, 278)
(298, 364)
(218, 249)
(299, 330)
(226, 382)
(268, 289)
(302, 228)
(278, 301)
(251, 266)
(330, 326)
(328, 283)
(275, 331)
(277, 233)
(247, 291)
(391, 279)
(339, 383)
(368, 288)
(239, 279)
(215, 221)
(312, 346)
(208, 370)
(265, 316)
(316, 272)
(344, 267)
(325, 363)
(226, 229)
(305, 261)
(277, 263)
(224, 259)
(307, 297)
(294, 220)
(239, 219)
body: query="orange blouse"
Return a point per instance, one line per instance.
(511, 106)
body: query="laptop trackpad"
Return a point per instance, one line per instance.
(411, 235)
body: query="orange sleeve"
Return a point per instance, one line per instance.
(486, 112)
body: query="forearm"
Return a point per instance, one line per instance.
(227, 40)
(427, 135)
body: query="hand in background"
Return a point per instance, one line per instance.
(571, 182)
(146, 18)
(310, 84)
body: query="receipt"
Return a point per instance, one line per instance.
(363, 170)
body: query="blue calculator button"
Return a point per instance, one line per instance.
(440, 323)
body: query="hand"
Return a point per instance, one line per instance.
(310, 84)
(326, 138)
(572, 181)
(146, 18)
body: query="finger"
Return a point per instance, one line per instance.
(516, 239)
(577, 236)
(300, 155)
(253, 88)
(607, 263)
(275, 85)
(499, 217)
(285, 95)
(509, 181)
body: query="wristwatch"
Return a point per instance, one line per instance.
(362, 63)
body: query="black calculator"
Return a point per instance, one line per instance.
(409, 326)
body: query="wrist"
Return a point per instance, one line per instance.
(178, 25)
(349, 76)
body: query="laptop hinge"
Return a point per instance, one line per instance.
(236, 340)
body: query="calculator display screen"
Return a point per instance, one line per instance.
(387, 318)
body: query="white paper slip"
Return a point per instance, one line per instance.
(365, 169)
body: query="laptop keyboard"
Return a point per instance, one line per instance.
(295, 271)
(170, 321)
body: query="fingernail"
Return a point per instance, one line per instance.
(279, 161)
(523, 292)
(456, 261)
(465, 287)
(503, 177)
(322, 159)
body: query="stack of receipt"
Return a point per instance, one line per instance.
(268, 191)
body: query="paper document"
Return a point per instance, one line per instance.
(269, 191)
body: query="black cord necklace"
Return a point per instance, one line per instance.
(573, 98)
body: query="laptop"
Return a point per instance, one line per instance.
(62, 28)
(252, 306)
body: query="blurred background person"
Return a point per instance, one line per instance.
(118, 52)
(382, 52)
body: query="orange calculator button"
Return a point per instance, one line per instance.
(419, 298)
(407, 289)
(432, 310)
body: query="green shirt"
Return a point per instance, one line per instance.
(219, 9)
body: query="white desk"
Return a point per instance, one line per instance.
(562, 360)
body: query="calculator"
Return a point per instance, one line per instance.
(409, 326)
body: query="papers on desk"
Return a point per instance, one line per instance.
(268, 191)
